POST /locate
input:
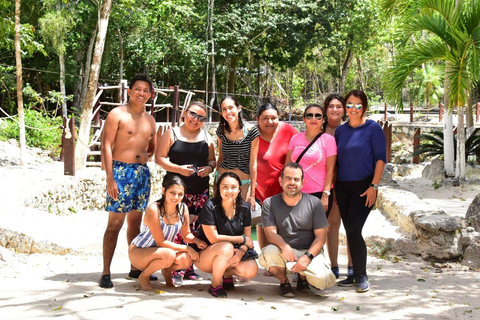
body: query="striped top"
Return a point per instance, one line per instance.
(236, 154)
(145, 238)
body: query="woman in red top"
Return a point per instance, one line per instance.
(274, 138)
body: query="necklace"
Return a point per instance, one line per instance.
(171, 215)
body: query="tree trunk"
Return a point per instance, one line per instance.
(120, 72)
(360, 74)
(61, 61)
(88, 66)
(210, 30)
(231, 74)
(448, 146)
(461, 163)
(469, 114)
(18, 60)
(346, 66)
(87, 114)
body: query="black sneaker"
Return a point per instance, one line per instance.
(336, 272)
(105, 281)
(136, 273)
(217, 292)
(349, 271)
(349, 282)
(362, 283)
(286, 290)
(228, 284)
(302, 285)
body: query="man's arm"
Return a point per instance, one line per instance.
(110, 132)
(314, 249)
(274, 238)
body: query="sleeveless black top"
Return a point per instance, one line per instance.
(194, 153)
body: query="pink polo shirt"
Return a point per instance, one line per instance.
(314, 161)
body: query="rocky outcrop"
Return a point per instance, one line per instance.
(430, 233)
(85, 193)
(473, 213)
(434, 171)
(22, 243)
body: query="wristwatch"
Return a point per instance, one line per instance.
(327, 192)
(309, 255)
(374, 186)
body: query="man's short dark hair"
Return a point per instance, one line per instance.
(141, 77)
(293, 165)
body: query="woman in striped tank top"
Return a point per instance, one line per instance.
(157, 246)
(237, 147)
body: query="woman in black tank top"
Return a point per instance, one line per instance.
(188, 152)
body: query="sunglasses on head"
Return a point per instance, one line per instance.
(317, 116)
(194, 116)
(357, 106)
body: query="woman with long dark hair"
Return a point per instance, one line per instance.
(155, 247)
(225, 225)
(335, 115)
(237, 147)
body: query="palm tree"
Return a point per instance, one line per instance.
(452, 32)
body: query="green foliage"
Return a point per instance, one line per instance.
(431, 144)
(46, 135)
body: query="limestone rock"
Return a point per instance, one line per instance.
(473, 213)
(403, 246)
(471, 256)
(439, 222)
(434, 171)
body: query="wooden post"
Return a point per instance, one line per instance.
(69, 148)
(411, 111)
(387, 130)
(440, 112)
(176, 103)
(385, 115)
(416, 143)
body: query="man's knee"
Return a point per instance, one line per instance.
(115, 222)
(271, 256)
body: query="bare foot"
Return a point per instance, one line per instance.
(167, 275)
(145, 282)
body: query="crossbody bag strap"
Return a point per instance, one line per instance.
(308, 147)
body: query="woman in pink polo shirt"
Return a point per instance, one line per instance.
(318, 162)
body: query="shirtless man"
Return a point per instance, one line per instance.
(128, 143)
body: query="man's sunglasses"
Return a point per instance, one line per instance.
(194, 116)
(317, 116)
(357, 106)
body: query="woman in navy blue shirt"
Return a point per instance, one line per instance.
(361, 158)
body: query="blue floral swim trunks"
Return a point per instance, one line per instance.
(133, 181)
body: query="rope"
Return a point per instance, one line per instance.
(29, 127)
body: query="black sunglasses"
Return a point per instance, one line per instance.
(318, 116)
(194, 116)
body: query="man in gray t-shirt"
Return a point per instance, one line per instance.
(295, 226)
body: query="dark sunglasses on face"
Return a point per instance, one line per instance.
(194, 116)
(357, 106)
(317, 116)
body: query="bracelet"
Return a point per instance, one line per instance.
(211, 167)
(244, 239)
(241, 249)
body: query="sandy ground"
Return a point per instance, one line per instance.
(42, 286)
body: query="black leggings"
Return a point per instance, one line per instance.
(354, 213)
(330, 200)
